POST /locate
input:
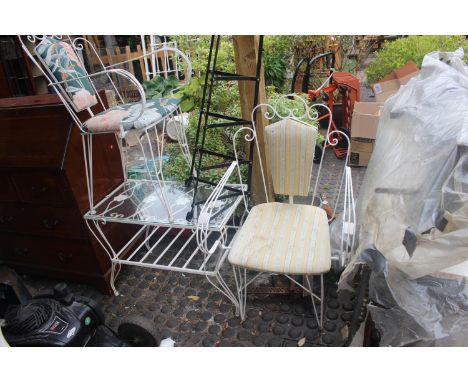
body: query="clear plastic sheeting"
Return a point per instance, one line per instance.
(413, 210)
(341, 242)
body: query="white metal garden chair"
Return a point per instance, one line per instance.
(59, 58)
(287, 238)
(161, 63)
(164, 63)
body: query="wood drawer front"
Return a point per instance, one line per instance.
(34, 137)
(7, 190)
(42, 220)
(43, 188)
(48, 252)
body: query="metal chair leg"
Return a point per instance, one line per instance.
(220, 284)
(310, 284)
(241, 286)
(112, 279)
(321, 300)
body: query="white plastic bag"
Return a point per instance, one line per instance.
(413, 205)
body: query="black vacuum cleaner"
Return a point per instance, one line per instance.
(62, 319)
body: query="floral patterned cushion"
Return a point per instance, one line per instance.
(65, 65)
(113, 118)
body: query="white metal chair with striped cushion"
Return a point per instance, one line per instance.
(280, 238)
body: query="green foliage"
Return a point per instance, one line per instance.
(350, 66)
(275, 70)
(395, 54)
(284, 106)
(160, 87)
(198, 48)
(191, 95)
(220, 140)
(176, 167)
(294, 47)
(276, 50)
(281, 45)
(225, 97)
(281, 54)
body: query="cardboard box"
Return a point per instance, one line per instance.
(362, 145)
(359, 159)
(384, 90)
(404, 80)
(365, 119)
(361, 151)
(409, 68)
(366, 115)
(391, 83)
(364, 124)
(390, 76)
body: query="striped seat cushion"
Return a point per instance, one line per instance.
(284, 238)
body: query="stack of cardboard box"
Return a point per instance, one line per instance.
(366, 115)
(390, 84)
(364, 125)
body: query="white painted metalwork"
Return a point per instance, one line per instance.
(162, 62)
(164, 239)
(209, 214)
(310, 113)
(150, 157)
(136, 201)
(165, 63)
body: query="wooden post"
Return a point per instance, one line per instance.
(246, 53)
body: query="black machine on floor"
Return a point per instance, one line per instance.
(62, 319)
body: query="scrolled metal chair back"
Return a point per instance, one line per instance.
(60, 60)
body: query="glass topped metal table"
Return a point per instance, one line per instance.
(161, 242)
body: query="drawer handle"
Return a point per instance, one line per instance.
(21, 251)
(50, 224)
(39, 188)
(65, 257)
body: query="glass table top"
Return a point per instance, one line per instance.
(141, 202)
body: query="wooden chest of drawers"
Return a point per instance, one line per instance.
(43, 193)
